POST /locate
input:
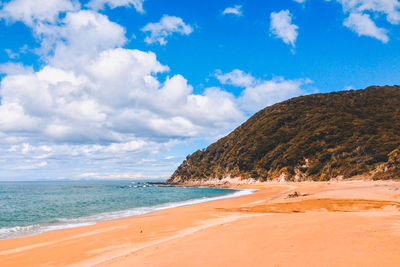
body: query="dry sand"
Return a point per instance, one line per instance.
(355, 223)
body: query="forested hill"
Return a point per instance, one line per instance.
(319, 137)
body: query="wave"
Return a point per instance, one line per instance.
(64, 223)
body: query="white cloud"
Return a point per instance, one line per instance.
(114, 98)
(260, 93)
(236, 78)
(94, 99)
(235, 10)
(362, 13)
(30, 165)
(282, 27)
(391, 8)
(300, 1)
(100, 4)
(38, 11)
(115, 175)
(13, 119)
(15, 68)
(364, 26)
(167, 26)
(123, 176)
(266, 93)
(96, 106)
(348, 87)
(359, 16)
(11, 54)
(78, 38)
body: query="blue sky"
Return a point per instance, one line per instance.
(128, 88)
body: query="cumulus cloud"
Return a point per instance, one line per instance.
(95, 101)
(100, 4)
(236, 77)
(259, 93)
(38, 11)
(282, 27)
(266, 93)
(364, 26)
(95, 105)
(235, 10)
(168, 25)
(114, 98)
(15, 68)
(359, 16)
(362, 13)
(391, 8)
(78, 38)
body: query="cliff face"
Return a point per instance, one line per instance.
(317, 137)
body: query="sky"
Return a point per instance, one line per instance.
(128, 88)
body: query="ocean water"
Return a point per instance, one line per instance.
(28, 208)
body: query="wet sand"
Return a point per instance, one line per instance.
(354, 223)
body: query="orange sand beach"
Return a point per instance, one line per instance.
(352, 223)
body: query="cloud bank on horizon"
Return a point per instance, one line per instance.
(96, 106)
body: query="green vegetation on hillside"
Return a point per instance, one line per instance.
(317, 137)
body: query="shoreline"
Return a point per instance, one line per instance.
(213, 226)
(117, 215)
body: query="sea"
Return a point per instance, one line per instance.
(28, 208)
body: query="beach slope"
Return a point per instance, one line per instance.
(352, 223)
